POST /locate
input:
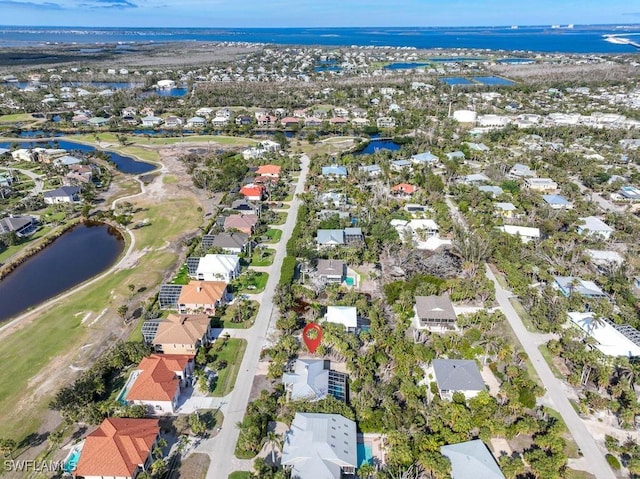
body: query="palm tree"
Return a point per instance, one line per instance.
(273, 441)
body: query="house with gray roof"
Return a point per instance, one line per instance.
(471, 459)
(494, 190)
(475, 179)
(399, 165)
(233, 242)
(557, 202)
(64, 194)
(331, 270)
(456, 375)
(334, 171)
(320, 446)
(593, 226)
(20, 225)
(434, 312)
(313, 380)
(521, 171)
(346, 236)
(371, 170)
(568, 285)
(426, 158)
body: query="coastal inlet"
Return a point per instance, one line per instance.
(79, 254)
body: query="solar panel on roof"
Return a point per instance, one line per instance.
(207, 241)
(149, 329)
(168, 296)
(192, 265)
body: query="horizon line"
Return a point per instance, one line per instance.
(561, 26)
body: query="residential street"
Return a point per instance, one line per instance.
(606, 205)
(221, 448)
(37, 179)
(597, 465)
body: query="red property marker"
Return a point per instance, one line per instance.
(312, 335)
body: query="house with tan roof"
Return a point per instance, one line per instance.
(269, 170)
(158, 381)
(182, 333)
(120, 448)
(244, 223)
(202, 297)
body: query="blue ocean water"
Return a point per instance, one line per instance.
(580, 39)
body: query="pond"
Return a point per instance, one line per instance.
(126, 164)
(405, 66)
(377, 145)
(77, 255)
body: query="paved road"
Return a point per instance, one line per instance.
(37, 179)
(221, 448)
(555, 390)
(605, 205)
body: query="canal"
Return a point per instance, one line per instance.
(79, 254)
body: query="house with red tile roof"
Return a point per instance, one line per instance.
(182, 333)
(253, 192)
(403, 189)
(202, 296)
(158, 381)
(120, 448)
(244, 223)
(269, 170)
(288, 121)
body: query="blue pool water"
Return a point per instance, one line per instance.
(72, 462)
(365, 453)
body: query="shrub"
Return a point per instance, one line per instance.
(613, 462)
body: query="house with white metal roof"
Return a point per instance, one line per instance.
(471, 459)
(320, 446)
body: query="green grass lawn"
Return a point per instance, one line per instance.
(273, 235)
(14, 117)
(280, 220)
(250, 283)
(548, 357)
(240, 475)
(226, 323)
(182, 277)
(526, 320)
(30, 241)
(262, 257)
(59, 331)
(232, 351)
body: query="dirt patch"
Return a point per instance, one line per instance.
(260, 383)
(193, 467)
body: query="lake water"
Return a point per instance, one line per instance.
(405, 66)
(488, 80)
(456, 81)
(126, 164)
(76, 256)
(376, 145)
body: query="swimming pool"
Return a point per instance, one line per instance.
(72, 461)
(365, 453)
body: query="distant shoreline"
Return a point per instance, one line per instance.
(570, 39)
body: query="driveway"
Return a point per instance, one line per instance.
(221, 448)
(556, 395)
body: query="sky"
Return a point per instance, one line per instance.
(314, 13)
